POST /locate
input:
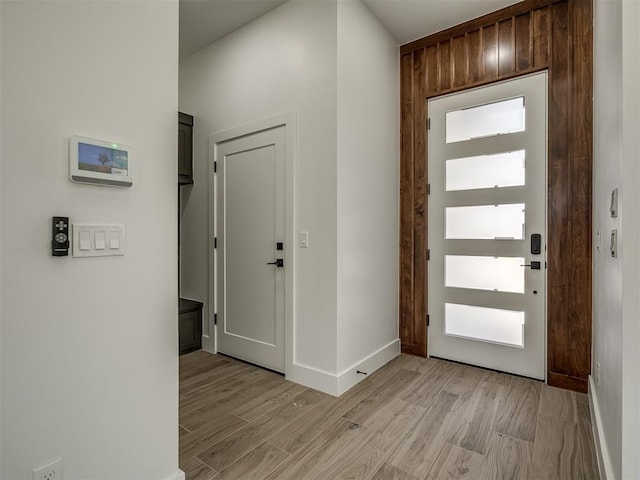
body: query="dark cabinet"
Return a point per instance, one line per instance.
(189, 326)
(185, 149)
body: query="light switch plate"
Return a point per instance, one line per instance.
(100, 240)
(303, 239)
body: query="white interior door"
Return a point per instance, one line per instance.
(250, 252)
(487, 210)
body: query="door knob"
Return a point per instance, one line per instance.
(278, 263)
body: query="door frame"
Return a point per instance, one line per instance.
(287, 120)
(545, 75)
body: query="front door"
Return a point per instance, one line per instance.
(487, 226)
(250, 215)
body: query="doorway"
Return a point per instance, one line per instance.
(487, 226)
(252, 266)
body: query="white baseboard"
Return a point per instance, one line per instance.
(602, 452)
(179, 475)
(349, 377)
(337, 384)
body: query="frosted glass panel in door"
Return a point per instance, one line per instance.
(497, 118)
(502, 274)
(485, 171)
(485, 324)
(485, 222)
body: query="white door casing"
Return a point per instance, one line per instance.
(251, 213)
(476, 281)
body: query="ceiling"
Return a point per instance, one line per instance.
(408, 20)
(202, 22)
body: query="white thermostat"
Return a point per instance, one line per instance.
(99, 162)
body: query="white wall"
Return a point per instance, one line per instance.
(284, 61)
(89, 345)
(368, 149)
(631, 239)
(615, 327)
(1, 143)
(607, 271)
(337, 67)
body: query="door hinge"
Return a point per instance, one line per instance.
(428, 320)
(215, 318)
(428, 254)
(429, 123)
(215, 167)
(215, 242)
(428, 189)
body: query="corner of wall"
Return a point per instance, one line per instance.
(337, 384)
(602, 452)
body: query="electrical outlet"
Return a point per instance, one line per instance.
(52, 471)
(597, 373)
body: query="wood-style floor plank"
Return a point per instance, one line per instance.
(473, 415)
(436, 374)
(508, 458)
(296, 435)
(556, 453)
(401, 381)
(387, 472)
(557, 403)
(518, 414)
(383, 433)
(194, 469)
(256, 464)
(209, 434)
(587, 446)
(309, 461)
(456, 463)
(414, 419)
(223, 453)
(420, 448)
(223, 401)
(268, 401)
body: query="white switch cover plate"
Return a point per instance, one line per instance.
(101, 240)
(303, 239)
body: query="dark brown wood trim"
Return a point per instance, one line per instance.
(486, 82)
(412, 349)
(406, 200)
(570, 383)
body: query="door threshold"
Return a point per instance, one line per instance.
(488, 369)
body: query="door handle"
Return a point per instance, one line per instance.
(278, 263)
(532, 265)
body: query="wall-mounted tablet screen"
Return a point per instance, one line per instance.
(99, 162)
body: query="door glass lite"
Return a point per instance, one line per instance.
(486, 171)
(498, 118)
(485, 222)
(485, 324)
(499, 274)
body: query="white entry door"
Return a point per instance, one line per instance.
(487, 226)
(250, 215)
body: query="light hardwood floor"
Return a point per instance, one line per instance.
(414, 419)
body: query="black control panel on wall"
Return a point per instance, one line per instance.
(60, 237)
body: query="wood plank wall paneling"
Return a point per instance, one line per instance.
(534, 35)
(406, 203)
